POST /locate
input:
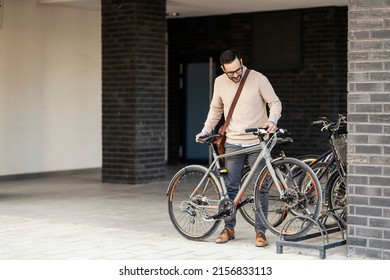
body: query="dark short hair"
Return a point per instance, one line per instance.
(229, 56)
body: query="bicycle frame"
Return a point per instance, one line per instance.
(330, 153)
(323, 157)
(326, 157)
(332, 127)
(265, 154)
(198, 197)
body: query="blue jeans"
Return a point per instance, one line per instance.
(235, 167)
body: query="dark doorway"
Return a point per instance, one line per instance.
(199, 78)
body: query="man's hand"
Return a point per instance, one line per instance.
(199, 135)
(270, 126)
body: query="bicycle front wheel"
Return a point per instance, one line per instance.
(191, 197)
(248, 210)
(288, 205)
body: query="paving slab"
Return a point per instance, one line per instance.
(77, 217)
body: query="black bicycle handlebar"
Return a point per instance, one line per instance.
(208, 137)
(255, 129)
(331, 126)
(317, 122)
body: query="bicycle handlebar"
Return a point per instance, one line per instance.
(329, 125)
(317, 122)
(208, 137)
(249, 130)
(257, 131)
(262, 131)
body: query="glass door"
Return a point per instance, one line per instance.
(199, 82)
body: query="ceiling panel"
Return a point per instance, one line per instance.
(195, 8)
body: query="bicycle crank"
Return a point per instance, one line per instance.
(226, 211)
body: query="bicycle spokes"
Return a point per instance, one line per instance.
(189, 203)
(300, 196)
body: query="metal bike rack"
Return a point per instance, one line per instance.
(323, 232)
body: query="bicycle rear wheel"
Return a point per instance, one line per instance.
(337, 195)
(321, 169)
(188, 203)
(300, 195)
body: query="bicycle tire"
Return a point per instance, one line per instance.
(247, 211)
(309, 158)
(303, 197)
(337, 196)
(321, 169)
(187, 213)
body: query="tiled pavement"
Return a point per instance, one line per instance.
(77, 217)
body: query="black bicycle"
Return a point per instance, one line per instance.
(331, 166)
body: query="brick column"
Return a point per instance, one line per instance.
(369, 128)
(133, 61)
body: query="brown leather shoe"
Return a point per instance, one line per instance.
(226, 235)
(261, 240)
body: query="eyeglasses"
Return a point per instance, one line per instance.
(231, 73)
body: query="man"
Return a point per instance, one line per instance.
(250, 111)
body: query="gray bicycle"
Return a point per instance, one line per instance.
(198, 199)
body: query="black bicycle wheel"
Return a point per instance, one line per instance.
(337, 195)
(188, 205)
(301, 197)
(323, 173)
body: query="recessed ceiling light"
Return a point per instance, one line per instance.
(172, 14)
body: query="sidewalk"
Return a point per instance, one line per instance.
(77, 217)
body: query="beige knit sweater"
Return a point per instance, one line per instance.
(250, 110)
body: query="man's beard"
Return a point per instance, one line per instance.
(236, 79)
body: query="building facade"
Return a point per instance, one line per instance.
(324, 80)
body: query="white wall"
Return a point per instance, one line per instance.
(50, 88)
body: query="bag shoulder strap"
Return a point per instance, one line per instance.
(227, 120)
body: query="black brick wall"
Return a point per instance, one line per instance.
(319, 88)
(369, 129)
(133, 61)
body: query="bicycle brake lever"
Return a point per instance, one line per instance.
(283, 131)
(317, 122)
